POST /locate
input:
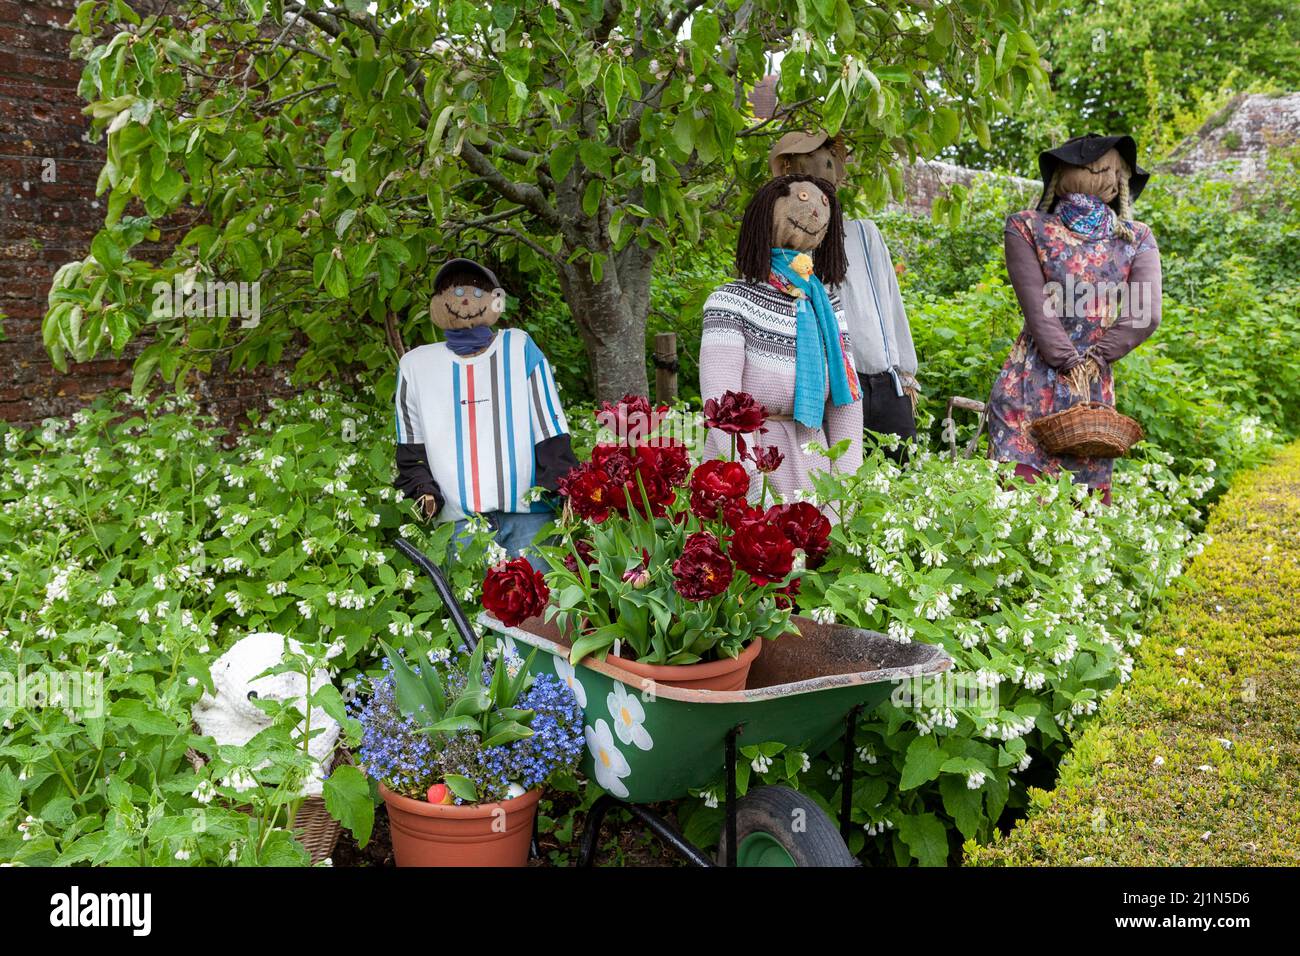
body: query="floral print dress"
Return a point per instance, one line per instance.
(1029, 388)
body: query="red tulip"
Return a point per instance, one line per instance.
(807, 528)
(766, 459)
(715, 484)
(631, 418)
(735, 413)
(702, 571)
(762, 550)
(514, 592)
(592, 493)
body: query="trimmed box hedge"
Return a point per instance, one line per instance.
(1197, 760)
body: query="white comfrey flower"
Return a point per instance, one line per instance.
(240, 780)
(107, 599)
(401, 629)
(277, 588)
(710, 798)
(894, 538)
(761, 764)
(975, 780)
(823, 615)
(205, 792)
(898, 631)
(305, 610)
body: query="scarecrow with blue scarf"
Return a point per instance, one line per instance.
(778, 333)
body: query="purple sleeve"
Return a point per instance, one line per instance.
(1141, 312)
(1039, 310)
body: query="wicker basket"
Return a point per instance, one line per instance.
(1088, 430)
(312, 825)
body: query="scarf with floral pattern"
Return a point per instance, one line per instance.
(1086, 215)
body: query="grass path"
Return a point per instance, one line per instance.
(1197, 760)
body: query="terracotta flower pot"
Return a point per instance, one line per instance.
(487, 834)
(729, 673)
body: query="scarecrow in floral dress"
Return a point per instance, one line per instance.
(1087, 277)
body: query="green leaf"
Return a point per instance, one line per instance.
(922, 763)
(505, 732)
(926, 838)
(411, 694)
(462, 787)
(963, 804)
(348, 800)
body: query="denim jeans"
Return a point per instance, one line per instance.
(514, 531)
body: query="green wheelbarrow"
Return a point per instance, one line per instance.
(649, 742)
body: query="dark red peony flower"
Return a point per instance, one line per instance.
(736, 413)
(716, 483)
(766, 460)
(591, 493)
(761, 549)
(806, 527)
(632, 419)
(586, 550)
(616, 461)
(514, 592)
(739, 510)
(672, 460)
(788, 596)
(658, 489)
(702, 571)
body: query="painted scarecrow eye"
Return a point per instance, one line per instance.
(459, 290)
(825, 201)
(478, 293)
(803, 195)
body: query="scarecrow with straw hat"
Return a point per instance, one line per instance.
(1087, 277)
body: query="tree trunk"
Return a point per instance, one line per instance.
(611, 316)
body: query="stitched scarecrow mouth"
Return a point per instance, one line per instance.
(804, 229)
(466, 316)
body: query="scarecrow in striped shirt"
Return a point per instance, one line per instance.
(479, 421)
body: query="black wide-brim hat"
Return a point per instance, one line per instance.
(1086, 149)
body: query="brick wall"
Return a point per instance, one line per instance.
(48, 215)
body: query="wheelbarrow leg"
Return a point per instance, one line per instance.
(657, 825)
(846, 776)
(732, 734)
(591, 832)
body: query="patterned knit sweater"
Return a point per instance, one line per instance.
(748, 345)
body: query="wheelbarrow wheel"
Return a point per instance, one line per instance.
(777, 826)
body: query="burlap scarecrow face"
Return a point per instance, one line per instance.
(464, 302)
(801, 217)
(1100, 178)
(792, 212)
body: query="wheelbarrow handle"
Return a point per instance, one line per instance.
(443, 587)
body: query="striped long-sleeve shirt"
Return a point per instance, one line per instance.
(480, 420)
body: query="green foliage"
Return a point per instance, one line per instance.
(134, 548)
(572, 138)
(1195, 761)
(1156, 69)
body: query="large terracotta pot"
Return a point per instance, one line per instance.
(729, 673)
(488, 834)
